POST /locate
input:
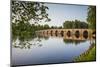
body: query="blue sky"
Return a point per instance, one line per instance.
(58, 13)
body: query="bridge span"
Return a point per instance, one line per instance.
(69, 33)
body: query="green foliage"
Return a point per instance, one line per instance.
(75, 24)
(91, 18)
(90, 55)
(26, 29)
(26, 10)
(22, 29)
(56, 27)
(46, 26)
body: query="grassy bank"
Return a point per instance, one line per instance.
(89, 55)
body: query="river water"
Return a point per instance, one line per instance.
(47, 50)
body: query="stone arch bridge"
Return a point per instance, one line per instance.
(77, 34)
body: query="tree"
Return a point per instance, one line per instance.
(26, 11)
(52, 27)
(67, 24)
(84, 25)
(91, 18)
(46, 26)
(75, 25)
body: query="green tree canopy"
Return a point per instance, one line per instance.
(91, 18)
(75, 25)
(46, 26)
(26, 10)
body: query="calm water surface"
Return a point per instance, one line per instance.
(47, 50)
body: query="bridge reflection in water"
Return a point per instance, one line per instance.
(72, 34)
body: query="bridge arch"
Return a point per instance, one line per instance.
(77, 33)
(62, 33)
(94, 33)
(56, 32)
(69, 33)
(85, 34)
(51, 32)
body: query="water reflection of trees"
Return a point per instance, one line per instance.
(24, 42)
(43, 37)
(76, 42)
(27, 42)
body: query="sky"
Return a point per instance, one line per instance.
(58, 13)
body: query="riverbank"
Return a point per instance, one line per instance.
(89, 55)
